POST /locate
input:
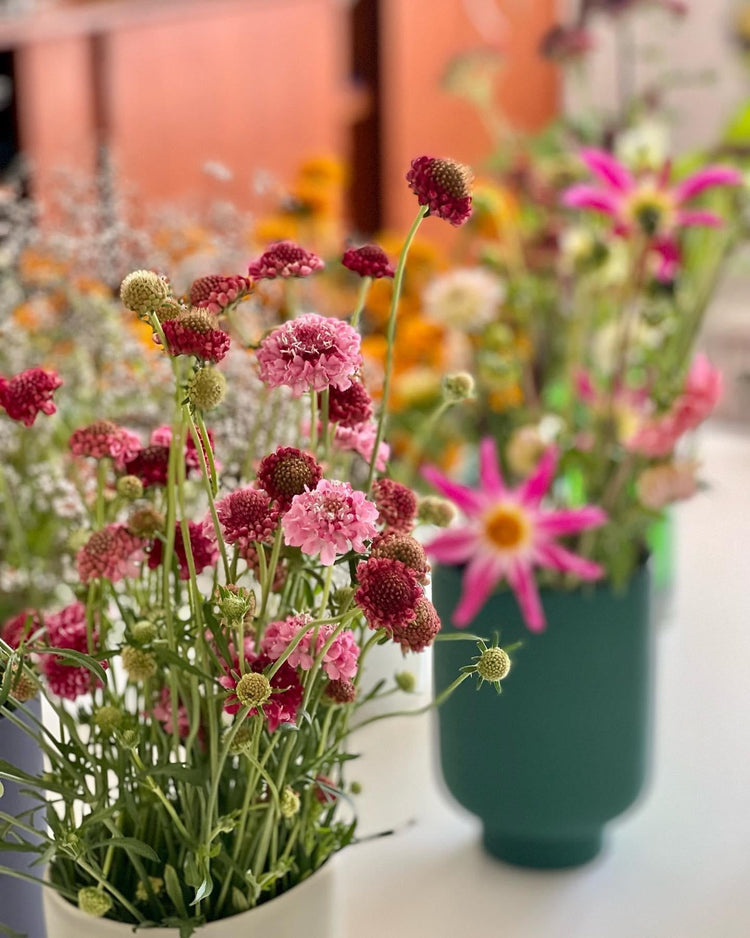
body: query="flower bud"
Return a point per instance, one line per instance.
(253, 689)
(108, 719)
(146, 522)
(458, 387)
(143, 632)
(129, 739)
(138, 664)
(94, 901)
(241, 741)
(435, 510)
(289, 802)
(406, 681)
(144, 291)
(493, 664)
(207, 388)
(129, 487)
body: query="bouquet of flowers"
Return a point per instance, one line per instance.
(207, 666)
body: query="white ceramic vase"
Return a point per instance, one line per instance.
(309, 909)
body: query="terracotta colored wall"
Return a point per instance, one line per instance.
(419, 38)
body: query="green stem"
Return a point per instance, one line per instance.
(364, 289)
(413, 713)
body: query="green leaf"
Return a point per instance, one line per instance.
(77, 658)
(131, 845)
(174, 890)
(239, 900)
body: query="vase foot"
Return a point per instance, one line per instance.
(543, 853)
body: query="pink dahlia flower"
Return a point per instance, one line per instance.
(285, 259)
(310, 353)
(339, 662)
(105, 439)
(215, 292)
(368, 261)
(444, 186)
(112, 552)
(28, 394)
(507, 533)
(330, 520)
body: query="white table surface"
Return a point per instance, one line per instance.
(677, 865)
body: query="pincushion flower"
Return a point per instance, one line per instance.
(286, 691)
(444, 186)
(361, 440)
(507, 534)
(285, 259)
(370, 260)
(196, 332)
(287, 472)
(105, 439)
(647, 201)
(330, 520)
(112, 552)
(311, 352)
(203, 548)
(215, 292)
(67, 629)
(247, 515)
(339, 661)
(351, 406)
(29, 393)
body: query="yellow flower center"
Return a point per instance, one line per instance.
(652, 210)
(507, 526)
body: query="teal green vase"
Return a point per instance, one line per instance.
(564, 749)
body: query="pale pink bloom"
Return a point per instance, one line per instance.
(310, 353)
(507, 533)
(112, 552)
(339, 662)
(659, 486)
(361, 440)
(330, 520)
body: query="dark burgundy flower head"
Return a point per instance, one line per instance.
(285, 259)
(215, 292)
(195, 332)
(287, 472)
(368, 261)
(444, 186)
(29, 393)
(203, 548)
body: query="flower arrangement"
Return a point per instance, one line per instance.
(207, 665)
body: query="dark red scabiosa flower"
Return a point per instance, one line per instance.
(368, 261)
(67, 630)
(326, 790)
(403, 547)
(341, 692)
(112, 553)
(285, 259)
(248, 515)
(202, 546)
(285, 697)
(215, 292)
(397, 504)
(350, 407)
(150, 465)
(105, 439)
(287, 472)
(444, 186)
(418, 633)
(29, 393)
(388, 593)
(20, 627)
(195, 332)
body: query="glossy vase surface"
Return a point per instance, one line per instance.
(564, 749)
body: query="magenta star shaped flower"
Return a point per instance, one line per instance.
(507, 534)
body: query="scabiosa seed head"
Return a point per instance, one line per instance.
(207, 388)
(405, 681)
(105, 439)
(139, 665)
(368, 261)
(108, 719)
(341, 692)
(493, 664)
(195, 332)
(146, 522)
(248, 515)
(141, 890)
(287, 472)
(419, 632)
(241, 741)
(388, 592)
(23, 687)
(112, 553)
(129, 487)
(144, 291)
(444, 186)
(402, 547)
(433, 509)
(29, 393)
(458, 387)
(94, 901)
(143, 631)
(351, 407)
(289, 802)
(397, 504)
(216, 292)
(285, 259)
(253, 689)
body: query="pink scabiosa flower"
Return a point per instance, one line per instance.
(310, 353)
(195, 332)
(287, 472)
(368, 261)
(215, 292)
(285, 697)
(202, 546)
(444, 186)
(329, 521)
(20, 627)
(361, 440)
(647, 201)
(339, 661)
(248, 515)
(29, 393)
(507, 534)
(350, 407)
(285, 259)
(397, 504)
(112, 553)
(388, 593)
(104, 439)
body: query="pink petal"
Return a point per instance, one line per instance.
(586, 196)
(552, 555)
(570, 520)
(489, 468)
(536, 486)
(523, 585)
(469, 501)
(706, 179)
(611, 171)
(456, 546)
(699, 217)
(480, 578)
